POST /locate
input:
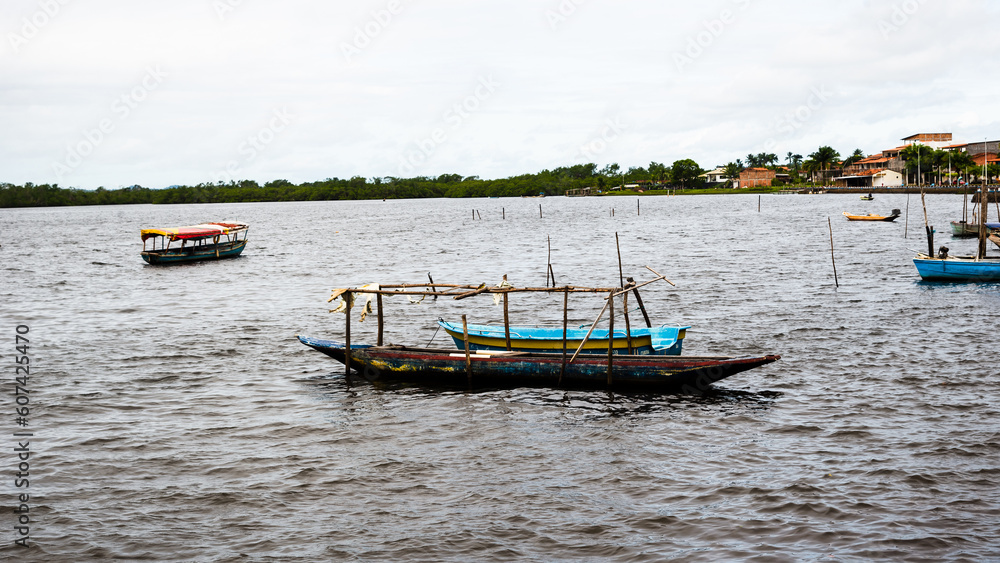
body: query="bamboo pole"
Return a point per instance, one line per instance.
(562, 370)
(635, 291)
(663, 277)
(347, 337)
(432, 283)
(830, 225)
(506, 318)
(468, 358)
(621, 277)
(589, 332)
(906, 225)
(611, 335)
(378, 303)
(548, 263)
(628, 326)
(539, 210)
(503, 213)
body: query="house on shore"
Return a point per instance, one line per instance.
(715, 178)
(756, 177)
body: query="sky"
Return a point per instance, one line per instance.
(114, 93)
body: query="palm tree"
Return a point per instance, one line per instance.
(732, 171)
(919, 158)
(855, 156)
(824, 157)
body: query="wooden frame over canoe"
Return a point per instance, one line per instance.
(519, 367)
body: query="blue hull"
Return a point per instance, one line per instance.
(958, 269)
(193, 254)
(659, 341)
(686, 373)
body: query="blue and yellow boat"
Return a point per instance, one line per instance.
(655, 341)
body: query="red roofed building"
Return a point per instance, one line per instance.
(756, 177)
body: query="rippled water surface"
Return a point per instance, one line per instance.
(176, 417)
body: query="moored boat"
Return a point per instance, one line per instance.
(205, 241)
(661, 340)
(964, 229)
(872, 217)
(501, 368)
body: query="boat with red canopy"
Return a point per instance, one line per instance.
(205, 241)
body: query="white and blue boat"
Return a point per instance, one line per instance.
(654, 341)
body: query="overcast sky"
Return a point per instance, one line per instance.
(113, 92)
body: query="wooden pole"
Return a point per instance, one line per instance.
(562, 371)
(830, 225)
(638, 300)
(378, 303)
(637, 206)
(906, 225)
(758, 203)
(927, 227)
(621, 277)
(589, 332)
(432, 283)
(468, 358)
(539, 210)
(611, 334)
(506, 318)
(553, 275)
(548, 264)
(503, 213)
(348, 298)
(628, 326)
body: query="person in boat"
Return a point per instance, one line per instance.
(943, 252)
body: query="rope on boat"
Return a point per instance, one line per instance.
(433, 336)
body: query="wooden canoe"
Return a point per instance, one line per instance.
(486, 369)
(872, 217)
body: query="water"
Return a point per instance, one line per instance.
(176, 417)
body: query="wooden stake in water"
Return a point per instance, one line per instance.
(348, 298)
(611, 334)
(468, 358)
(834, 260)
(758, 204)
(637, 206)
(506, 317)
(539, 210)
(906, 225)
(562, 371)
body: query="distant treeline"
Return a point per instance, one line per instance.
(550, 182)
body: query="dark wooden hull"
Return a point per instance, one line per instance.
(504, 369)
(195, 253)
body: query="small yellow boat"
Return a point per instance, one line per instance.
(872, 217)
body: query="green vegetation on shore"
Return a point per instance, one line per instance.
(684, 173)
